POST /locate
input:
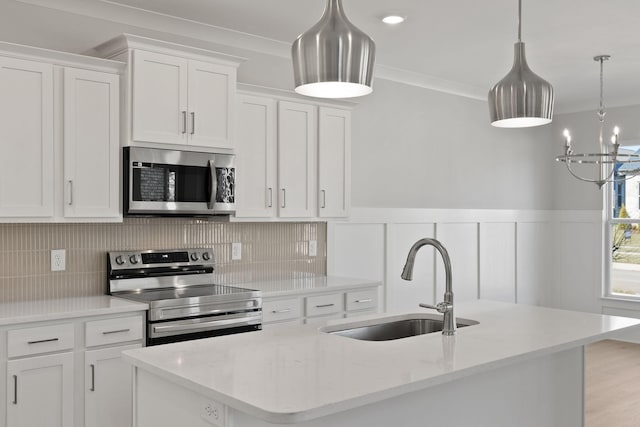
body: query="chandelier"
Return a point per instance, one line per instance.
(609, 160)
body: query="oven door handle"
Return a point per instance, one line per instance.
(214, 184)
(211, 325)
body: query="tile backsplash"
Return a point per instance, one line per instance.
(270, 251)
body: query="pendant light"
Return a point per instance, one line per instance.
(333, 59)
(521, 98)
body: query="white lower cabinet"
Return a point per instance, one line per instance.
(315, 308)
(108, 398)
(40, 391)
(69, 373)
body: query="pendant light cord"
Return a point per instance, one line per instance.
(519, 21)
(601, 112)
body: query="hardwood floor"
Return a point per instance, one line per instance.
(612, 384)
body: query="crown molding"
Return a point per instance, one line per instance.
(428, 82)
(114, 12)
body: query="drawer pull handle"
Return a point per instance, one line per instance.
(116, 331)
(364, 300)
(324, 305)
(93, 377)
(15, 389)
(42, 341)
(286, 310)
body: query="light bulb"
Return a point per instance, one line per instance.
(393, 19)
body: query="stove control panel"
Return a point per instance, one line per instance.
(160, 258)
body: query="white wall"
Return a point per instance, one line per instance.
(418, 148)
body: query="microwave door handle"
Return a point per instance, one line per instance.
(214, 184)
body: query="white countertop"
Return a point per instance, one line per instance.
(64, 308)
(296, 373)
(277, 288)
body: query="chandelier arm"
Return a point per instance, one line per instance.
(595, 181)
(606, 180)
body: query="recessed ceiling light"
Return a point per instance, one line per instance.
(393, 19)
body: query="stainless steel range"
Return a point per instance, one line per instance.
(184, 303)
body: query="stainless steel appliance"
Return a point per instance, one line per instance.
(173, 183)
(184, 303)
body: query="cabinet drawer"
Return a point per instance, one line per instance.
(321, 305)
(362, 300)
(285, 309)
(111, 331)
(43, 339)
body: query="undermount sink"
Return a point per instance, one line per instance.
(393, 328)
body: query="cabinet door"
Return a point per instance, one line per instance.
(108, 388)
(26, 132)
(296, 159)
(40, 391)
(159, 98)
(334, 162)
(91, 144)
(211, 103)
(256, 157)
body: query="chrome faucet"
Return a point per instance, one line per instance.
(445, 307)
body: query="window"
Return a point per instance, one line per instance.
(622, 233)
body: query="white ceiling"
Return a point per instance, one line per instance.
(466, 42)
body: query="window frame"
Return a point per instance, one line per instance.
(609, 221)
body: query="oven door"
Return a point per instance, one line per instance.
(203, 327)
(167, 182)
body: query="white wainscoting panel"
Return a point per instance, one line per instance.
(498, 261)
(578, 266)
(403, 295)
(504, 255)
(461, 241)
(533, 258)
(356, 250)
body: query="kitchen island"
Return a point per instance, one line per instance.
(520, 365)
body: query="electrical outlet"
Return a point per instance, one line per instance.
(313, 247)
(236, 251)
(214, 413)
(58, 262)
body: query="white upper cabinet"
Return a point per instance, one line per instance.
(91, 144)
(297, 145)
(294, 159)
(159, 98)
(334, 162)
(211, 104)
(26, 132)
(256, 148)
(175, 94)
(59, 127)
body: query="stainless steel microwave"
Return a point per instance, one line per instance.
(178, 183)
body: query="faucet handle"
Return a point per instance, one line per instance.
(441, 307)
